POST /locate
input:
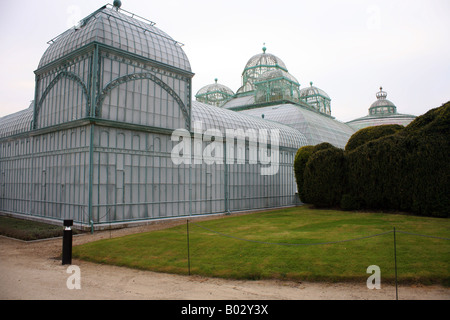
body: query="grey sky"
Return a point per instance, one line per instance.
(349, 48)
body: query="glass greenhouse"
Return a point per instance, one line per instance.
(97, 144)
(113, 135)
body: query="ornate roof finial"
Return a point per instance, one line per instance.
(311, 83)
(117, 4)
(381, 94)
(215, 80)
(264, 47)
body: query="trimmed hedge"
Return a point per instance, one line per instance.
(409, 170)
(324, 177)
(301, 158)
(371, 133)
(386, 167)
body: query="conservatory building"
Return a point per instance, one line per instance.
(114, 134)
(97, 144)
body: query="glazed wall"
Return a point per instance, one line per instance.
(46, 175)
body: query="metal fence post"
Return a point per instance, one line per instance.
(189, 258)
(395, 266)
(67, 242)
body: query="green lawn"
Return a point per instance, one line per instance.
(218, 248)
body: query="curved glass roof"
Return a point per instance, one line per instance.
(313, 91)
(316, 98)
(215, 87)
(257, 66)
(264, 59)
(122, 30)
(17, 122)
(277, 74)
(381, 112)
(316, 127)
(222, 119)
(370, 121)
(216, 94)
(382, 105)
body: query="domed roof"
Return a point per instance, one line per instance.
(215, 94)
(381, 112)
(316, 98)
(382, 105)
(17, 122)
(122, 30)
(313, 91)
(215, 87)
(256, 67)
(276, 74)
(264, 60)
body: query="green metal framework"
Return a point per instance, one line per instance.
(257, 66)
(108, 93)
(95, 146)
(316, 98)
(215, 94)
(265, 79)
(276, 85)
(382, 105)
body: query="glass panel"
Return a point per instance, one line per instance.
(122, 31)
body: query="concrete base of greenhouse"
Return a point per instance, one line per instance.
(133, 223)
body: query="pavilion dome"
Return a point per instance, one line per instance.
(381, 112)
(215, 94)
(382, 105)
(115, 27)
(264, 59)
(258, 65)
(313, 91)
(316, 98)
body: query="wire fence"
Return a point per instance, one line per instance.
(394, 232)
(290, 244)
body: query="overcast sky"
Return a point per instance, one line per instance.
(348, 48)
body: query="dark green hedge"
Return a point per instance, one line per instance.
(383, 168)
(301, 158)
(408, 171)
(324, 177)
(371, 133)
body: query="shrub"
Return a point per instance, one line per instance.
(324, 177)
(350, 202)
(371, 133)
(385, 167)
(408, 170)
(301, 158)
(373, 172)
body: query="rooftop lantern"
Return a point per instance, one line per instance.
(215, 94)
(382, 105)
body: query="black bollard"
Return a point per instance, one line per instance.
(67, 242)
